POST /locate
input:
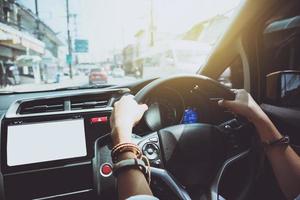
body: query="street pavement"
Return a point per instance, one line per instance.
(27, 83)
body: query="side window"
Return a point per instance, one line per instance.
(281, 63)
(233, 76)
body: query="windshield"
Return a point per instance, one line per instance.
(55, 44)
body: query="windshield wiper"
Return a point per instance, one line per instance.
(96, 86)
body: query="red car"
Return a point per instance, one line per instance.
(97, 76)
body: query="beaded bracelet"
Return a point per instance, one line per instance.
(125, 147)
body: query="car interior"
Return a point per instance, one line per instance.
(217, 157)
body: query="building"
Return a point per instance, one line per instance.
(23, 34)
(208, 31)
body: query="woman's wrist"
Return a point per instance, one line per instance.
(126, 155)
(121, 135)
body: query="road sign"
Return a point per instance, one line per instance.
(69, 59)
(81, 46)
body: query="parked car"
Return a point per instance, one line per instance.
(97, 76)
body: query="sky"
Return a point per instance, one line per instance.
(111, 24)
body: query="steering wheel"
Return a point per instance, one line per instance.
(186, 155)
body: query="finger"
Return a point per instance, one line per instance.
(143, 107)
(234, 90)
(128, 96)
(221, 102)
(226, 104)
(141, 110)
(116, 103)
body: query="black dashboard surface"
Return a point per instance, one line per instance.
(7, 99)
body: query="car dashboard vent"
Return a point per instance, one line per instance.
(89, 102)
(42, 106)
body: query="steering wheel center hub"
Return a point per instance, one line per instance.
(192, 152)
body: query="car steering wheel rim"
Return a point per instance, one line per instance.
(199, 81)
(142, 94)
(180, 139)
(223, 93)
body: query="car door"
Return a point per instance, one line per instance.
(279, 83)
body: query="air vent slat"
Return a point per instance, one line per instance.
(88, 103)
(33, 107)
(80, 102)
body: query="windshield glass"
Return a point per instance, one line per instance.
(56, 44)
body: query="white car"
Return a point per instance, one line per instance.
(118, 73)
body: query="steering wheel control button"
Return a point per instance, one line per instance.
(154, 139)
(106, 169)
(156, 163)
(151, 151)
(96, 120)
(227, 126)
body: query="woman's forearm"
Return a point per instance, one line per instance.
(265, 128)
(285, 162)
(131, 181)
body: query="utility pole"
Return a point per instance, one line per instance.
(69, 56)
(36, 8)
(38, 33)
(75, 29)
(152, 27)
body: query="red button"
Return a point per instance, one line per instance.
(98, 120)
(106, 169)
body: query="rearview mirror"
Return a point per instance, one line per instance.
(283, 88)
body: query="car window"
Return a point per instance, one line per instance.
(54, 44)
(280, 60)
(233, 76)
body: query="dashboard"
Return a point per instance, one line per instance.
(47, 144)
(48, 139)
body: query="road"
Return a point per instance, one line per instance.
(149, 72)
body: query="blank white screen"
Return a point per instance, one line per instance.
(40, 142)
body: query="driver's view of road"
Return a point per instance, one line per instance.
(149, 99)
(81, 43)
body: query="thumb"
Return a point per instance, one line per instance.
(140, 112)
(143, 107)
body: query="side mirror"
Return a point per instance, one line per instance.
(283, 88)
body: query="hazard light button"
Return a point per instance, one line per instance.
(106, 170)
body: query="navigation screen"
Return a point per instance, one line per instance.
(46, 141)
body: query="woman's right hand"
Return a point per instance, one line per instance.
(126, 113)
(244, 105)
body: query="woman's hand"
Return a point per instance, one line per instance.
(244, 105)
(125, 115)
